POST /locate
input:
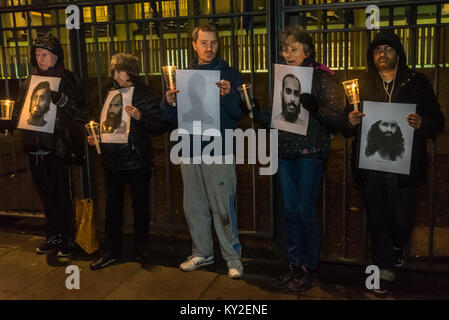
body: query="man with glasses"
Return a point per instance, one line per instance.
(390, 199)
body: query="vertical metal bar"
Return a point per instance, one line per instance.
(178, 36)
(128, 41)
(97, 54)
(436, 59)
(5, 63)
(17, 46)
(144, 45)
(110, 32)
(232, 57)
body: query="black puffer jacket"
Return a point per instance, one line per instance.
(329, 119)
(410, 87)
(137, 153)
(76, 109)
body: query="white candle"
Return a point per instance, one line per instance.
(248, 103)
(95, 137)
(354, 97)
(170, 78)
(7, 110)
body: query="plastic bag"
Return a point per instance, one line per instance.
(86, 233)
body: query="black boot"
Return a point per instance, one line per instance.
(107, 259)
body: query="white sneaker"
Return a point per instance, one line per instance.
(195, 262)
(235, 269)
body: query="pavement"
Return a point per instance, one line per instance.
(25, 275)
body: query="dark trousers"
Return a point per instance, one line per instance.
(391, 215)
(139, 182)
(300, 181)
(52, 179)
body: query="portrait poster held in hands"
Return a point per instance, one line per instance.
(386, 138)
(289, 83)
(198, 100)
(115, 121)
(38, 112)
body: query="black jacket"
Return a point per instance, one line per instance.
(410, 87)
(137, 153)
(75, 110)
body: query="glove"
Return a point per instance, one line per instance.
(59, 98)
(309, 102)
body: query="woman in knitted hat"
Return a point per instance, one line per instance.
(50, 153)
(130, 163)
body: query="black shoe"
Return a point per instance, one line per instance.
(106, 260)
(383, 290)
(49, 245)
(304, 280)
(142, 254)
(283, 281)
(399, 257)
(66, 248)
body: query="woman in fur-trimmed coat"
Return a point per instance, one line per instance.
(130, 162)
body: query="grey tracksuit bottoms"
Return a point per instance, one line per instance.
(209, 193)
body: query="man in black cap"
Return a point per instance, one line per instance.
(390, 199)
(49, 153)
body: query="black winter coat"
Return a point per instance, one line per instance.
(75, 110)
(137, 153)
(412, 87)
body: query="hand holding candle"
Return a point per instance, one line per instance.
(93, 127)
(170, 78)
(245, 96)
(352, 92)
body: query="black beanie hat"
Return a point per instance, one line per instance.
(49, 43)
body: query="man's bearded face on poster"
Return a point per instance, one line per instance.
(385, 137)
(114, 115)
(40, 103)
(291, 90)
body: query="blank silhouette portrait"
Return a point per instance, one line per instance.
(291, 106)
(386, 140)
(40, 104)
(197, 91)
(113, 122)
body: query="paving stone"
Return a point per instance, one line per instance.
(249, 288)
(20, 269)
(158, 282)
(94, 285)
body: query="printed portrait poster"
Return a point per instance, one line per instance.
(114, 120)
(289, 83)
(198, 100)
(386, 139)
(38, 112)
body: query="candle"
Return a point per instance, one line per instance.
(247, 101)
(170, 79)
(354, 96)
(95, 137)
(7, 109)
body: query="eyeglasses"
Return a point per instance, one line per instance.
(386, 50)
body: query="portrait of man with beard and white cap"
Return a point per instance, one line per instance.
(114, 123)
